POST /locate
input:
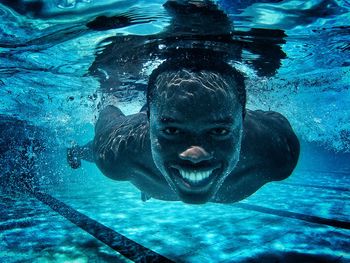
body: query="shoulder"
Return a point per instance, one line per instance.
(269, 122)
(271, 118)
(116, 147)
(277, 142)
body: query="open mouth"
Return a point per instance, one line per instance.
(195, 177)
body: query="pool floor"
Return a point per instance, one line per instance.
(32, 232)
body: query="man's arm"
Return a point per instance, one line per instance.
(269, 152)
(270, 143)
(108, 116)
(77, 153)
(119, 141)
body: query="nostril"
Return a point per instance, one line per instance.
(195, 154)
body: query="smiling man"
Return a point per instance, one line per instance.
(194, 141)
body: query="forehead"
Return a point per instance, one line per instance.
(194, 101)
(202, 86)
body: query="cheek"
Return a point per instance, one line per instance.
(225, 152)
(167, 148)
(229, 149)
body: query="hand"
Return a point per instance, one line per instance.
(73, 158)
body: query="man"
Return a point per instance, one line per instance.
(195, 142)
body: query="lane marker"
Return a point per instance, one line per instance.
(323, 172)
(333, 188)
(303, 217)
(138, 253)
(123, 245)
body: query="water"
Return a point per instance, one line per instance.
(56, 63)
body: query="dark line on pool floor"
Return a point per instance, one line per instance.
(333, 188)
(125, 246)
(308, 218)
(324, 172)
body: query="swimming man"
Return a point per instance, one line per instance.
(194, 141)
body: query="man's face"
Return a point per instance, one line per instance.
(196, 135)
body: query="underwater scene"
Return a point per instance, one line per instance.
(174, 131)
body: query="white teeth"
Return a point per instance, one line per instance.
(195, 176)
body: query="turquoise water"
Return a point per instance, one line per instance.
(51, 87)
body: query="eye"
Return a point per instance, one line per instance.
(219, 131)
(171, 131)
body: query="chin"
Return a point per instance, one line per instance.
(195, 199)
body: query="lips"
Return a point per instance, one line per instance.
(194, 177)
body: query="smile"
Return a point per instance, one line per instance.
(195, 177)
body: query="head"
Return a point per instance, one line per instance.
(196, 113)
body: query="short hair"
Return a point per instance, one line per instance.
(198, 65)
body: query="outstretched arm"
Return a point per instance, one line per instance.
(119, 141)
(77, 153)
(111, 120)
(108, 116)
(270, 152)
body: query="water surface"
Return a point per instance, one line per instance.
(51, 88)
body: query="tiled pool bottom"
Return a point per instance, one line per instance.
(184, 233)
(31, 232)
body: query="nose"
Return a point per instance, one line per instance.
(195, 154)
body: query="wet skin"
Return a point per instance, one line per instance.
(195, 147)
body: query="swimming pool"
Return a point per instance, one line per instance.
(56, 63)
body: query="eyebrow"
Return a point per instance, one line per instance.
(225, 120)
(166, 120)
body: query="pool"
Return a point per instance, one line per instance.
(62, 61)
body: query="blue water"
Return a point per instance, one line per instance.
(49, 93)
